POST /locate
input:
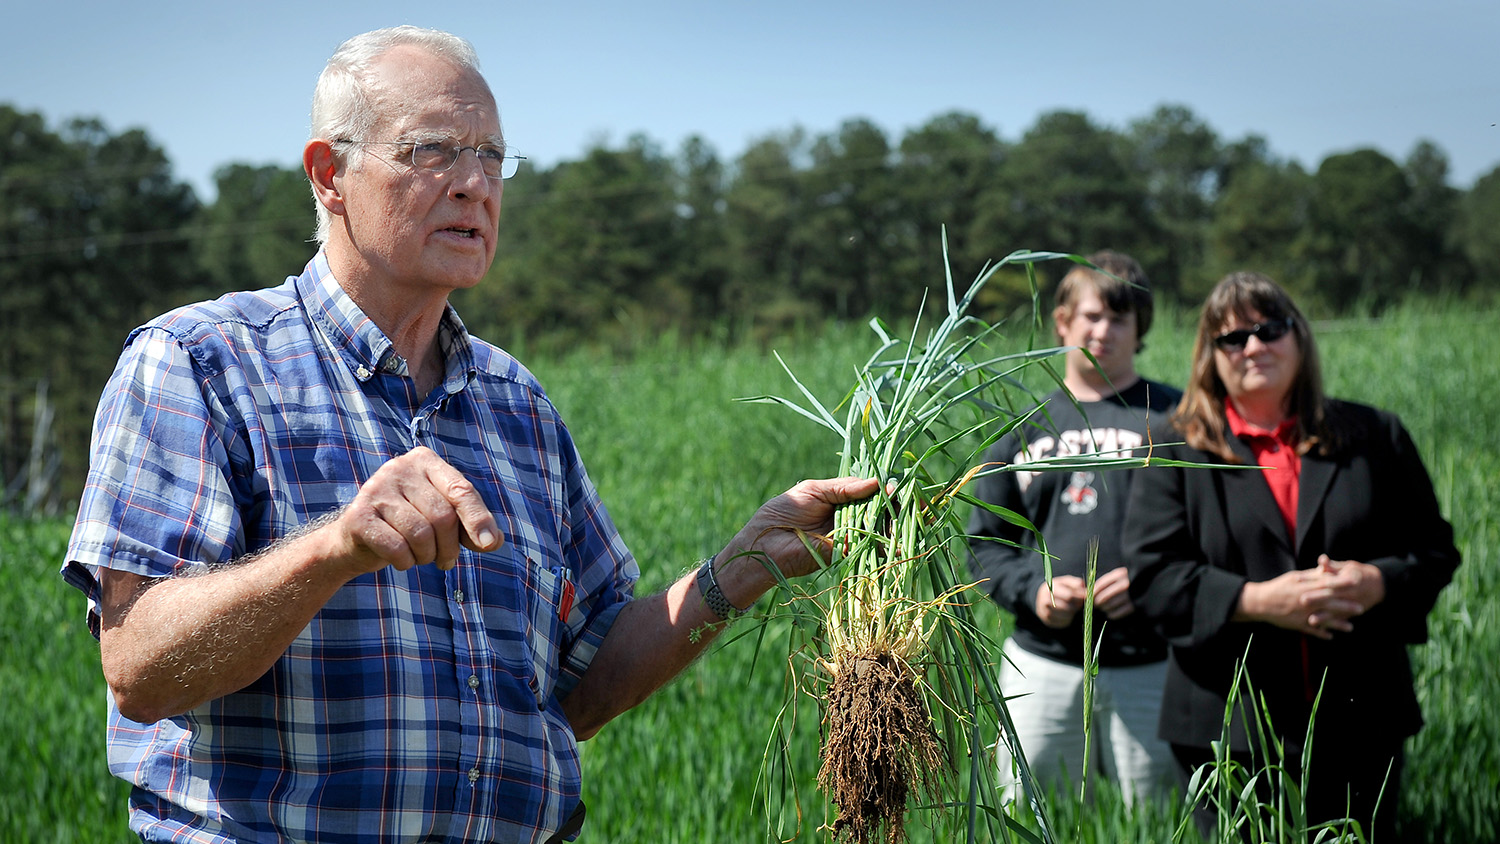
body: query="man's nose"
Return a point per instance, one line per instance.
(467, 178)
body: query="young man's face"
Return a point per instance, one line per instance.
(1109, 336)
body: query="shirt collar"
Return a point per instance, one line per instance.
(361, 345)
(1284, 432)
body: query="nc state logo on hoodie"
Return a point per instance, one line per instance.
(1080, 495)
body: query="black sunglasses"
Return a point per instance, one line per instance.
(1266, 332)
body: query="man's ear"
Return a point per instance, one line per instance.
(1060, 316)
(322, 166)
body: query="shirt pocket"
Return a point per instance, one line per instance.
(551, 602)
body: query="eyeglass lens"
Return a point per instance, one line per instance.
(1266, 332)
(442, 155)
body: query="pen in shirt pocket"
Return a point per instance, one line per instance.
(565, 601)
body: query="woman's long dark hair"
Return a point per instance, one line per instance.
(1200, 414)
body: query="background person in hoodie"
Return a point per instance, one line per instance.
(1116, 414)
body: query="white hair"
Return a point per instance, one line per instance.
(344, 101)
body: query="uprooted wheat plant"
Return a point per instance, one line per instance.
(906, 681)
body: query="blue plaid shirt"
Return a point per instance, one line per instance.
(416, 706)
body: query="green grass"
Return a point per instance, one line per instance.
(1438, 370)
(682, 466)
(52, 703)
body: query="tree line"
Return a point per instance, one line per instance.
(628, 242)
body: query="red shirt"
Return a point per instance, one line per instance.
(1276, 450)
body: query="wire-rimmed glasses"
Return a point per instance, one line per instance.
(439, 156)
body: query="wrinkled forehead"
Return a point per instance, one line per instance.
(418, 94)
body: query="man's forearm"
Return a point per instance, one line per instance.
(170, 644)
(653, 639)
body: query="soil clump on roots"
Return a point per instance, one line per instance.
(879, 748)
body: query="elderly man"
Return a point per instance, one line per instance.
(349, 577)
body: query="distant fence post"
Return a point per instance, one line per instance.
(45, 462)
(34, 491)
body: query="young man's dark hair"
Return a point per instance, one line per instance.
(1122, 285)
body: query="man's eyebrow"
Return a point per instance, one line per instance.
(424, 136)
(409, 140)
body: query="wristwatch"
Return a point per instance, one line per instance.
(708, 586)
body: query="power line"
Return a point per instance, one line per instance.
(116, 240)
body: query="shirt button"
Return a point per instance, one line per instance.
(473, 681)
(458, 595)
(473, 775)
(362, 373)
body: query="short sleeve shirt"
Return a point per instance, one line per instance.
(416, 706)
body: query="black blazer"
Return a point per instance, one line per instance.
(1194, 537)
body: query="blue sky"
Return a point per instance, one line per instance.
(217, 83)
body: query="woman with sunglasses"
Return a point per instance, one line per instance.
(1315, 571)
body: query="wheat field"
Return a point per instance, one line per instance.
(681, 465)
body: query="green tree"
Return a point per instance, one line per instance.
(1179, 159)
(93, 241)
(1432, 212)
(851, 228)
(1249, 152)
(704, 272)
(1479, 230)
(1072, 190)
(1360, 239)
(259, 229)
(600, 258)
(1067, 186)
(1258, 216)
(764, 206)
(945, 169)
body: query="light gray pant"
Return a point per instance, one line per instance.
(1048, 715)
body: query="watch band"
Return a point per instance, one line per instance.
(708, 586)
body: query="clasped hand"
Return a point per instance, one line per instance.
(1319, 601)
(1056, 607)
